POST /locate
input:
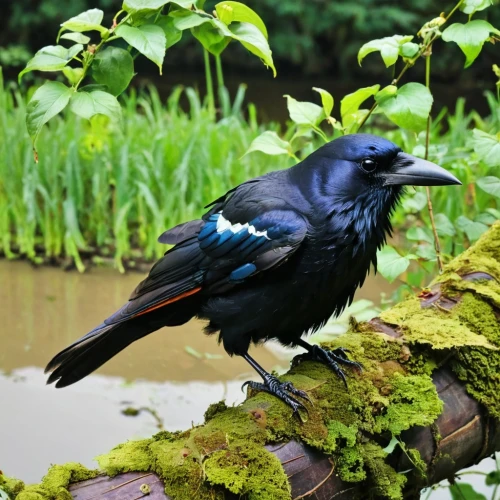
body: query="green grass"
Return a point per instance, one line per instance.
(117, 189)
(106, 190)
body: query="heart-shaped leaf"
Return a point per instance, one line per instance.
(409, 108)
(473, 6)
(487, 147)
(388, 48)
(269, 143)
(351, 102)
(76, 37)
(113, 67)
(326, 100)
(89, 20)
(89, 104)
(148, 39)
(390, 264)
(304, 113)
(48, 100)
(51, 58)
(470, 37)
(237, 11)
(490, 185)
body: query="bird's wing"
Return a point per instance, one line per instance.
(247, 231)
(240, 250)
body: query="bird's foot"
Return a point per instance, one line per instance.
(330, 358)
(282, 390)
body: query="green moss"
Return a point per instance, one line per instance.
(339, 436)
(431, 326)
(11, 486)
(54, 485)
(239, 469)
(384, 480)
(350, 465)
(213, 409)
(418, 462)
(413, 401)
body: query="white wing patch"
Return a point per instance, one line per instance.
(223, 225)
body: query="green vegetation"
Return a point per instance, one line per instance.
(112, 191)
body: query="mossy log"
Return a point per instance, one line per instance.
(430, 385)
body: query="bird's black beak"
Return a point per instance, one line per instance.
(412, 171)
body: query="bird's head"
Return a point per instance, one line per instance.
(359, 167)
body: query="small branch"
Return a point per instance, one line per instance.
(437, 245)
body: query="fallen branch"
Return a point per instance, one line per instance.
(426, 406)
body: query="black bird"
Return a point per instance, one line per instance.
(274, 257)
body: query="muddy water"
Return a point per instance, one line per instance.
(42, 311)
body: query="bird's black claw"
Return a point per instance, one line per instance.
(281, 390)
(330, 358)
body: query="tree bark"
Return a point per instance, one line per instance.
(464, 432)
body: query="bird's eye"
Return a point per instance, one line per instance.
(368, 164)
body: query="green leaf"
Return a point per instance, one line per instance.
(487, 147)
(386, 93)
(51, 58)
(113, 67)
(464, 491)
(473, 230)
(74, 75)
(388, 48)
(494, 212)
(426, 252)
(236, 11)
(304, 113)
(49, 100)
(490, 185)
(89, 104)
(89, 20)
(409, 107)
(184, 19)
(77, 38)
(409, 49)
(211, 38)
(143, 6)
(254, 41)
(269, 143)
(351, 102)
(420, 234)
(326, 100)
(485, 218)
(493, 477)
(390, 264)
(444, 226)
(469, 37)
(173, 35)
(148, 39)
(473, 6)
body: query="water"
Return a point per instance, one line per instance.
(42, 311)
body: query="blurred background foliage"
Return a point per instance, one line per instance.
(319, 37)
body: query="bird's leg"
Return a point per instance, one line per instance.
(271, 384)
(330, 358)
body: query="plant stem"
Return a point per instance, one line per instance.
(220, 74)
(437, 245)
(410, 63)
(209, 82)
